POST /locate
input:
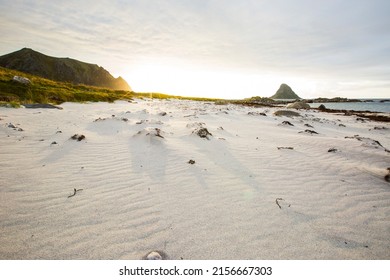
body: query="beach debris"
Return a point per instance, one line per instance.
(58, 131)
(387, 177)
(379, 128)
(257, 114)
(113, 117)
(191, 161)
(150, 122)
(42, 106)
(151, 132)
(332, 150)
(368, 142)
(202, 133)
(342, 125)
(54, 143)
(308, 125)
(287, 123)
(277, 202)
(200, 130)
(74, 192)
(360, 120)
(78, 137)
(285, 148)
(155, 255)
(14, 127)
(162, 113)
(195, 124)
(157, 132)
(308, 131)
(100, 119)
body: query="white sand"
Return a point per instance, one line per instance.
(140, 194)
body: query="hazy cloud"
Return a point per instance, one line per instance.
(327, 39)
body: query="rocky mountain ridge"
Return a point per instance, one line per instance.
(62, 69)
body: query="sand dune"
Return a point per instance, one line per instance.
(319, 196)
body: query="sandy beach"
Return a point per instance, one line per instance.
(194, 180)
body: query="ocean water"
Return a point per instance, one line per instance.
(375, 106)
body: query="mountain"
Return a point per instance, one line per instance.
(62, 69)
(285, 92)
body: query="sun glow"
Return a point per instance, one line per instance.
(198, 81)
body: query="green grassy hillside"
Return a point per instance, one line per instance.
(42, 90)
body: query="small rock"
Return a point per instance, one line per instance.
(332, 150)
(156, 255)
(322, 107)
(308, 125)
(54, 143)
(191, 161)
(22, 80)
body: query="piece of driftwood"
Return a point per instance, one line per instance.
(277, 202)
(285, 148)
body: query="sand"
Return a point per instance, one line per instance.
(256, 188)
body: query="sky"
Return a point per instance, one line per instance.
(215, 48)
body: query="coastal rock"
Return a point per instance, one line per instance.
(285, 92)
(298, 105)
(322, 107)
(22, 80)
(286, 113)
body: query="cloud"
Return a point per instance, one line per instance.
(330, 39)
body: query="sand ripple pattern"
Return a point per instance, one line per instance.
(138, 193)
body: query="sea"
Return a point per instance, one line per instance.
(373, 105)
